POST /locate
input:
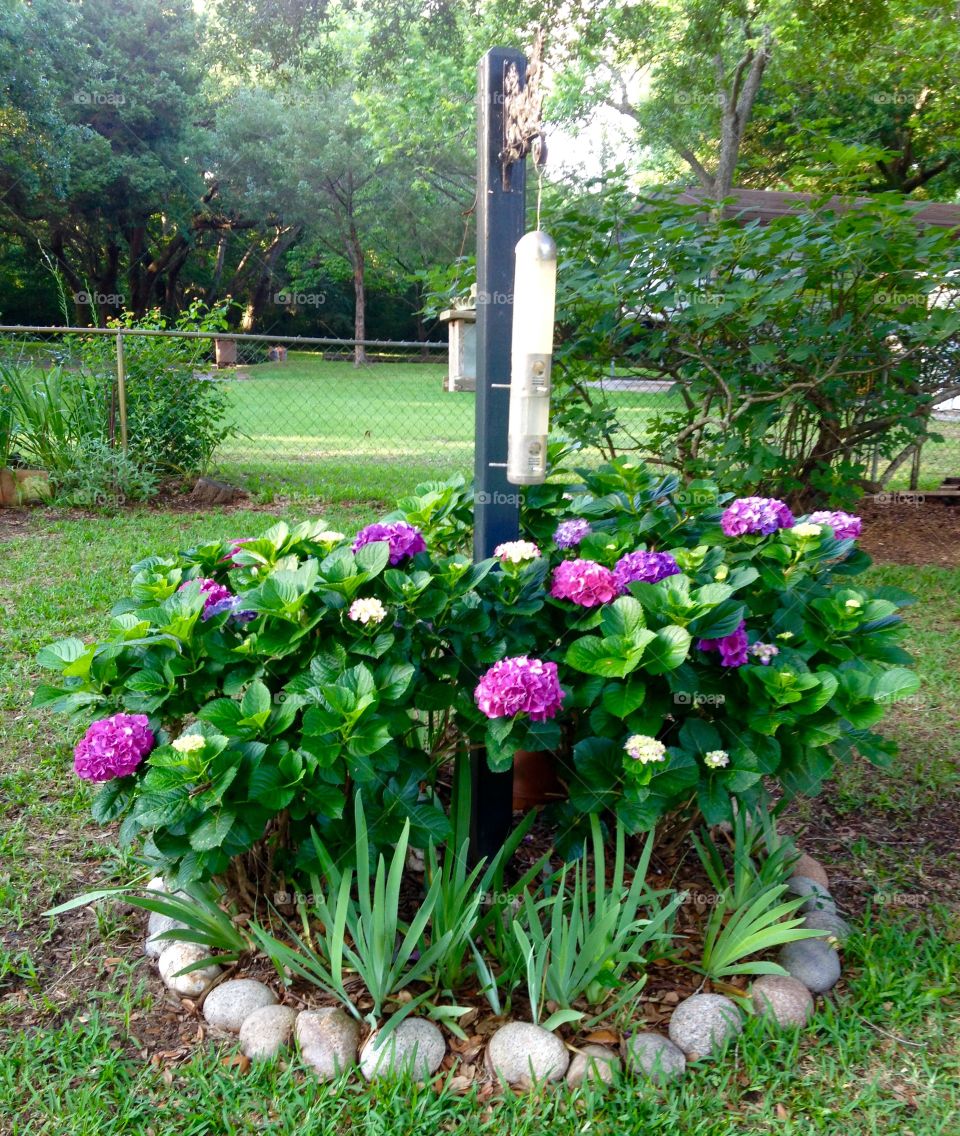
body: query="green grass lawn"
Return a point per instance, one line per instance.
(78, 1000)
(311, 425)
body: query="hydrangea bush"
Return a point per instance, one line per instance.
(670, 646)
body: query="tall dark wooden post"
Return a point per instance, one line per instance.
(500, 224)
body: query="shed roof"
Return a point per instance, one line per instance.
(766, 205)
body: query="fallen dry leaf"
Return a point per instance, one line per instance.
(239, 1061)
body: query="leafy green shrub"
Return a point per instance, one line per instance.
(266, 708)
(690, 660)
(176, 418)
(800, 349)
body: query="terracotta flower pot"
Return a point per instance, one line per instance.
(535, 780)
(23, 486)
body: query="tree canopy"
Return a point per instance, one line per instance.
(153, 155)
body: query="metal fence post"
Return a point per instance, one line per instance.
(122, 392)
(500, 224)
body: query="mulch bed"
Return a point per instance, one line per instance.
(907, 528)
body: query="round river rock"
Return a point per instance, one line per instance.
(829, 921)
(812, 869)
(178, 955)
(522, 1050)
(266, 1031)
(704, 1023)
(816, 897)
(783, 999)
(593, 1064)
(231, 1003)
(328, 1039)
(655, 1056)
(815, 963)
(416, 1047)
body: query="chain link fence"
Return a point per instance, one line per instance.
(274, 415)
(298, 415)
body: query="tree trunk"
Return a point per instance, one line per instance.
(214, 290)
(260, 294)
(736, 106)
(107, 302)
(357, 261)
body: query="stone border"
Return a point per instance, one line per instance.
(519, 1053)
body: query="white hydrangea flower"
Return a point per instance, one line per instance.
(188, 743)
(367, 610)
(645, 749)
(716, 758)
(330, 536)
(516, 551)
(765, 651)
(806, 529)
(853, 604)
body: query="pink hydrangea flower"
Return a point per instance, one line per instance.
(405, 540)
(583, 582)
(755, 515)
(113, 747)
(646, 566)
(520, 685)
(216, 597)
(733, 647)
(845, 526)
(234, 546)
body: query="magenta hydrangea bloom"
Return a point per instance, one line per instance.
(234, 547)
(583, 582)
(846, 526)
(113, 747)
(216, 596)
(520, 685)
(648, 567)
(733, 647)
(755, 515)
(569, 533)
(405, 540)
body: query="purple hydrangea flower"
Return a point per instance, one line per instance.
(755, 515)
(405, 540)
(214, 596)
(733, 647)
(113, 747)
(570, 533)
(232, 605)
(583, 582)
(646, 566)
(846, 526)
(520, 685)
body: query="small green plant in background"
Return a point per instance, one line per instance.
(49, 413)
(102, 477)
(199, 908)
